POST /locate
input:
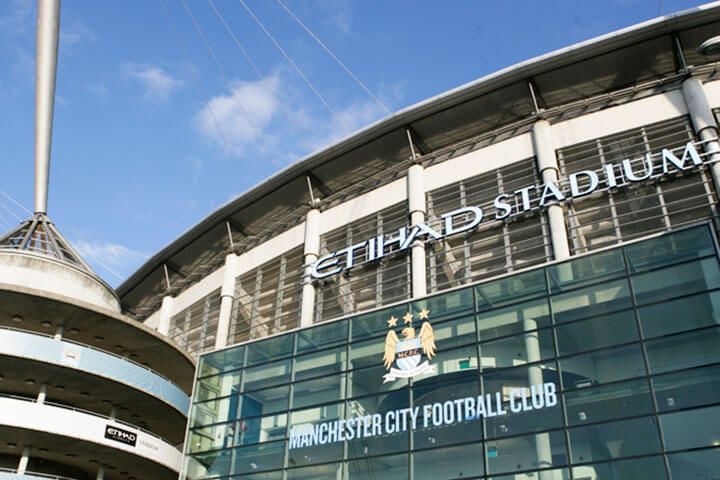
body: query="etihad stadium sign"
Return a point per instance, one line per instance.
(506, 206)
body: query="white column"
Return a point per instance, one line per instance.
(312, 252)
(24, 459)
(42, 395)
(544, 145)
(100, 473)
(416, 205)
(227, 297)
(166, 312)
(704, 124)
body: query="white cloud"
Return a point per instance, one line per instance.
(98, 88)
(18, 18)
(73, 34)
(239, 119)
(113, 258)
(158, 84)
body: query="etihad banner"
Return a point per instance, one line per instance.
(438, 414)
(508, 205)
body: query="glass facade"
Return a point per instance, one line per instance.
(606, 366)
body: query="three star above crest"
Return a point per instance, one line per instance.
(392, 322)
(408, 317)
(423, 314)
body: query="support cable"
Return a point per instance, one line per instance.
(22, 207)
(185, 51)
(335, 57)
(219, 65)
(250, 61)
(5, 207)
(290, 61)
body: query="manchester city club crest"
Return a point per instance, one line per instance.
(407, 354)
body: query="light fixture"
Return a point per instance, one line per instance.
(29, 381)
(74, 331)
(99, 339)
(17, 318)
(60, 387)
(710, 47)
(46, 324)
(12, 445)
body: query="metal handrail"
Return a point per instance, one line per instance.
(125, 359)
(88, 412)
(36, 474)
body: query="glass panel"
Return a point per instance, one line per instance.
(375, 323)
(215, 411)
(608, 402)
(684, 351)
(553, 474)
(436, 434)
(222, 361)
(211, 437)
(331, 471)
(650, 468)
(684, 314)
(218, 386)
(255, 458)
(607, 441)
(445, 306)
(368, 381)
(515, 319)
(321, 363)
(691, 428)
(517, 350)
(510, 290)
(455, 333)
(457, 362)
(585, 270)
(382, 442)
(597, 332)
(602, 367)
(453, 462)
(262, 429)
(591, 301)
(520, 377)
(679, 246)
(378, 468)
(211, 464)
(308, 450)
(322, 336)
(676, 281)
(320, 390)
(264, 376)
(689, 388)
(262, 402)
(367, 354)
(270, 349)
(698, 465)
(526, 453)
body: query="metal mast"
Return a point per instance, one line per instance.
(48, 28)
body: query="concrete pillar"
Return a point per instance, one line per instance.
(59, 332)
(544, 145)
(100, 473)
(312, 252)
(227, 297)
(416, 205)
(24, 459)
(42, 395)
(704, 124)
(113, 413)
(166, 313)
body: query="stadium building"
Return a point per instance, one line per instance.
(517, 279)
(86, 393)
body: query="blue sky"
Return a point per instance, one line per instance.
(151, 135)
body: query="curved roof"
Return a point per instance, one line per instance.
(649, 51)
